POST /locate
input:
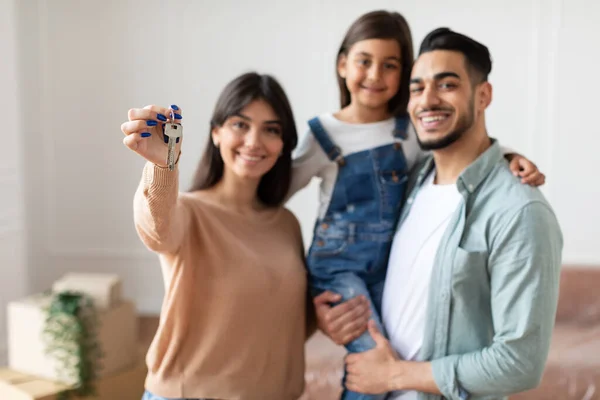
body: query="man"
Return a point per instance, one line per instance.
(472, 285)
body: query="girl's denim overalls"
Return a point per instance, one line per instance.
(351, 243)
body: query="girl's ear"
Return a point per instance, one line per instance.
(341, 65)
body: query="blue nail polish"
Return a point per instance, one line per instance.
(146, 134)
(174, 107)
(177, 141)
(161, 117)
(177, 116)
(151, 123)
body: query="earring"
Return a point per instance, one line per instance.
(216, 144)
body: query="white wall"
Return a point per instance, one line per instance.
(84, 64)
(572, 94)
(13, 271)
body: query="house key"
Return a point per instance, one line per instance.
(173, 132)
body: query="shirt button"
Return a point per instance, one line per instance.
(320, 243)
(324, 226)
(471, 188)
(410, 200)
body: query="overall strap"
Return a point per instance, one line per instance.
(334, 153)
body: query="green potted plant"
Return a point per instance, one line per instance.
(71, 338)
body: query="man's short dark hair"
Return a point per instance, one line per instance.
(477, 56)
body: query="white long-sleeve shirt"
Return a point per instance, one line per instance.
(310, 160)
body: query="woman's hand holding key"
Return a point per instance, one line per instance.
(144, 132)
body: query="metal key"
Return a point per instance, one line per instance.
(173, 132)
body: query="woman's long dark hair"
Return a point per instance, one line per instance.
(381, 25)
(240, 92)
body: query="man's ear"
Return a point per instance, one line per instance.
(485, 96)
(341, 65)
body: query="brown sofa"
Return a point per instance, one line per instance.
(573, 367)
(572, 370)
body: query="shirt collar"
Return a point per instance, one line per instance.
(470, 179)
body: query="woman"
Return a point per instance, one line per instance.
(233, 320)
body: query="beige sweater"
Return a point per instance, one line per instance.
(233, 320)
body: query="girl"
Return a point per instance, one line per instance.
(363, 154)
(233, 318)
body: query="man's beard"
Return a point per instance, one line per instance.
(464, 124)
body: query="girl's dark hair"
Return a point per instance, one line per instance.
(381, 25)
(240, 92)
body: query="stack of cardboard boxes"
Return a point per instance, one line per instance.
(34, 375)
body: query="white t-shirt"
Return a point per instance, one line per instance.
(409, 269)
(311, 161)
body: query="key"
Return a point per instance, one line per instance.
(173, 132)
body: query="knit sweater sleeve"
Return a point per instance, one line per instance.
(161, 215)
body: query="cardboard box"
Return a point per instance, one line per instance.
(105, 289)
(117, 334)
(124, 385)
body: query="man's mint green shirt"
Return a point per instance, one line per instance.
(494, 284)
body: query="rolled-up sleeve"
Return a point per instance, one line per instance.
(524, 267)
